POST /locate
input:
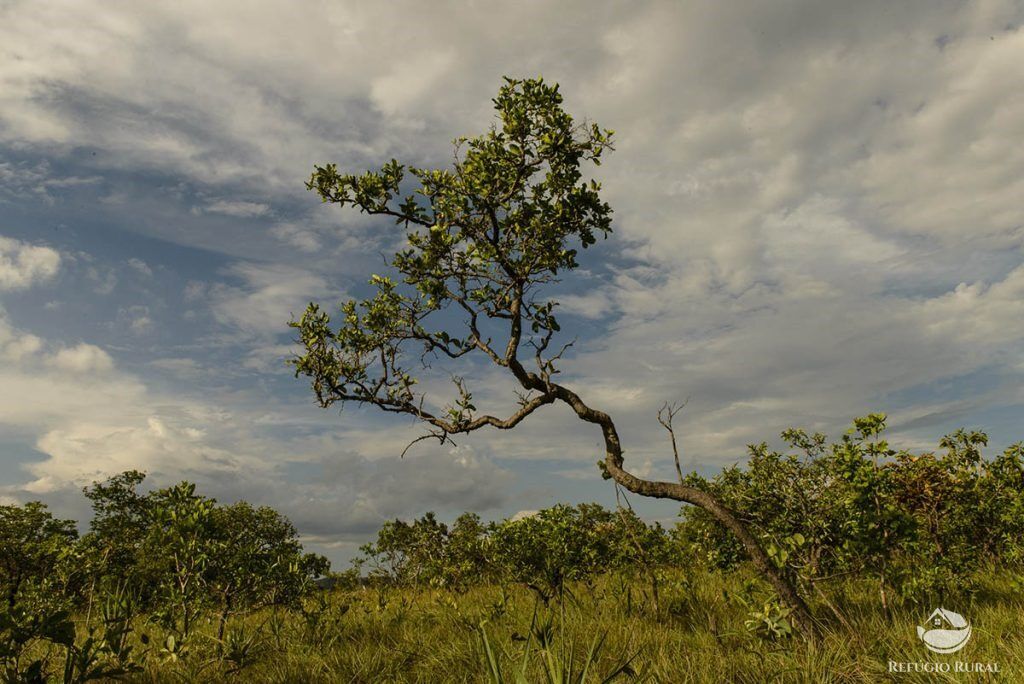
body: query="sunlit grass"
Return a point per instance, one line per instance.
(697, 634)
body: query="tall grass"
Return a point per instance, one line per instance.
(605, 631)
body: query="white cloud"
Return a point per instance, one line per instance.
(271, 294)
(301, 237)
(104, 279)
(141, 325)
(408, 82)
(594, 304)
(946, 168)
(137, 318)
(23, 265)
(37, 182)
(83, 358)
(237, 208)
(182, 368)
(80, 453)
(141, 267)
(42, 387)
(15, 344)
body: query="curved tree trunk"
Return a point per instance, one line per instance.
(802, 617)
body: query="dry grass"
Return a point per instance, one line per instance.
(697, 634)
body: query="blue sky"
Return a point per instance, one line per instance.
(817, 215)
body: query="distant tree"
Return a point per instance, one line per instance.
(181, 553)
(557, 545)
(180, 538)
(918, 524)
(466, 558)
(543, 551)
(409, 553)
(483, 239)
(113, 546)
(256, 560)
(32, 545)
(1002, 507)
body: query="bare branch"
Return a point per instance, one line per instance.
(665, 416)
(440, 436)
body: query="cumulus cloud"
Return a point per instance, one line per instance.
(83, 358)
(16, 344)
(44, 383)
(103, 421)
(83, 452)
(23, 264)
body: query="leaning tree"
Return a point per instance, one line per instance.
(483, 238)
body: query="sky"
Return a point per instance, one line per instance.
(817, 215)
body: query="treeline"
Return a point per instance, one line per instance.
(544, 551)
(920, 525)
(153, 566)
(170, 554)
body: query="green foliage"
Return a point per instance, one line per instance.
(919, 524)
(113, 546)
(35, 549)
(557, 654)
(481, 237)
(558, 545)
(172, 554)
(181, 532)
(542, 551)
(766, 616)
(410, 553)
(206, 592)
(33, 637)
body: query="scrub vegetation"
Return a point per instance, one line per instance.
(168, 585)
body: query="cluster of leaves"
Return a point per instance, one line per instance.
(169, 553)
(918, 523)
(482, 238)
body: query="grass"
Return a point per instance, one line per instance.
(495, 634)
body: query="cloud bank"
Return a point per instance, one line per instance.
(816, 204)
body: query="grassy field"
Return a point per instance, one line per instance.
(697, 633)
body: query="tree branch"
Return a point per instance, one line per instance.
(665, 415)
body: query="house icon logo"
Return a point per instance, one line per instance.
(946, 631)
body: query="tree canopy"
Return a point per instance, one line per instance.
(482, 237)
